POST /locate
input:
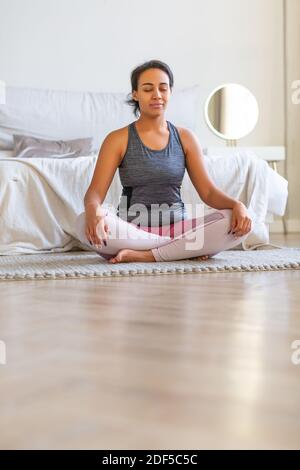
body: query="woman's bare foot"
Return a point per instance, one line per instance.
(126, 256)
(201, 258)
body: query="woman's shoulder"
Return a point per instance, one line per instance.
(184, 131)
(119, 137)
(119, 133)
(186, 136)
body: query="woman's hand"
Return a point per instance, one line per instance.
(240, 222)
(96, 229)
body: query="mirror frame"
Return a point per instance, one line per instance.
(207, 120)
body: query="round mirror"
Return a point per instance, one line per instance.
(231, 111)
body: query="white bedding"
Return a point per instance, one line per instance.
(39, 202)
(41, 198)
(250, 179)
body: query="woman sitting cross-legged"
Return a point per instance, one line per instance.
(152, 154)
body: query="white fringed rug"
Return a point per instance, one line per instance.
(86, 264)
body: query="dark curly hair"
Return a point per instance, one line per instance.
(134, 77)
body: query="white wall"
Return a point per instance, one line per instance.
(94, 45)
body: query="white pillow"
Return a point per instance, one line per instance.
(67, 115)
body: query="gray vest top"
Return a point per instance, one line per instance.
(151, 181)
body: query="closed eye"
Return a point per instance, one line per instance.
(160, 90)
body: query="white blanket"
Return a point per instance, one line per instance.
(41, 198)
(39, 202)
(249, 179)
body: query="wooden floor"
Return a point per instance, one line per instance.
(152, 362)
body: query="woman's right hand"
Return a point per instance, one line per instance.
(96, 229)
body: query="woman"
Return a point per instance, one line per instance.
(152, 155)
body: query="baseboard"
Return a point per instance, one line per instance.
(293, 226)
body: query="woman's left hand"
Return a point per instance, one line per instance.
(240, 222)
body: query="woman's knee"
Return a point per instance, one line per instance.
(215, 236)
(224, 224)
(80, 223)
(227, 213)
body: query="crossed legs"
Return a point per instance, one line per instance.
(192, 238)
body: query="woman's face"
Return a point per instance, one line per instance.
(153, 92)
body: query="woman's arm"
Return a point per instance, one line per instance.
(109, 158)
(207, 190)
(205, 187)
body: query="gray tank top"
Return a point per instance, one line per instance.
(151, 181)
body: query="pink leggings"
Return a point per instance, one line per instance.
(207, 235)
